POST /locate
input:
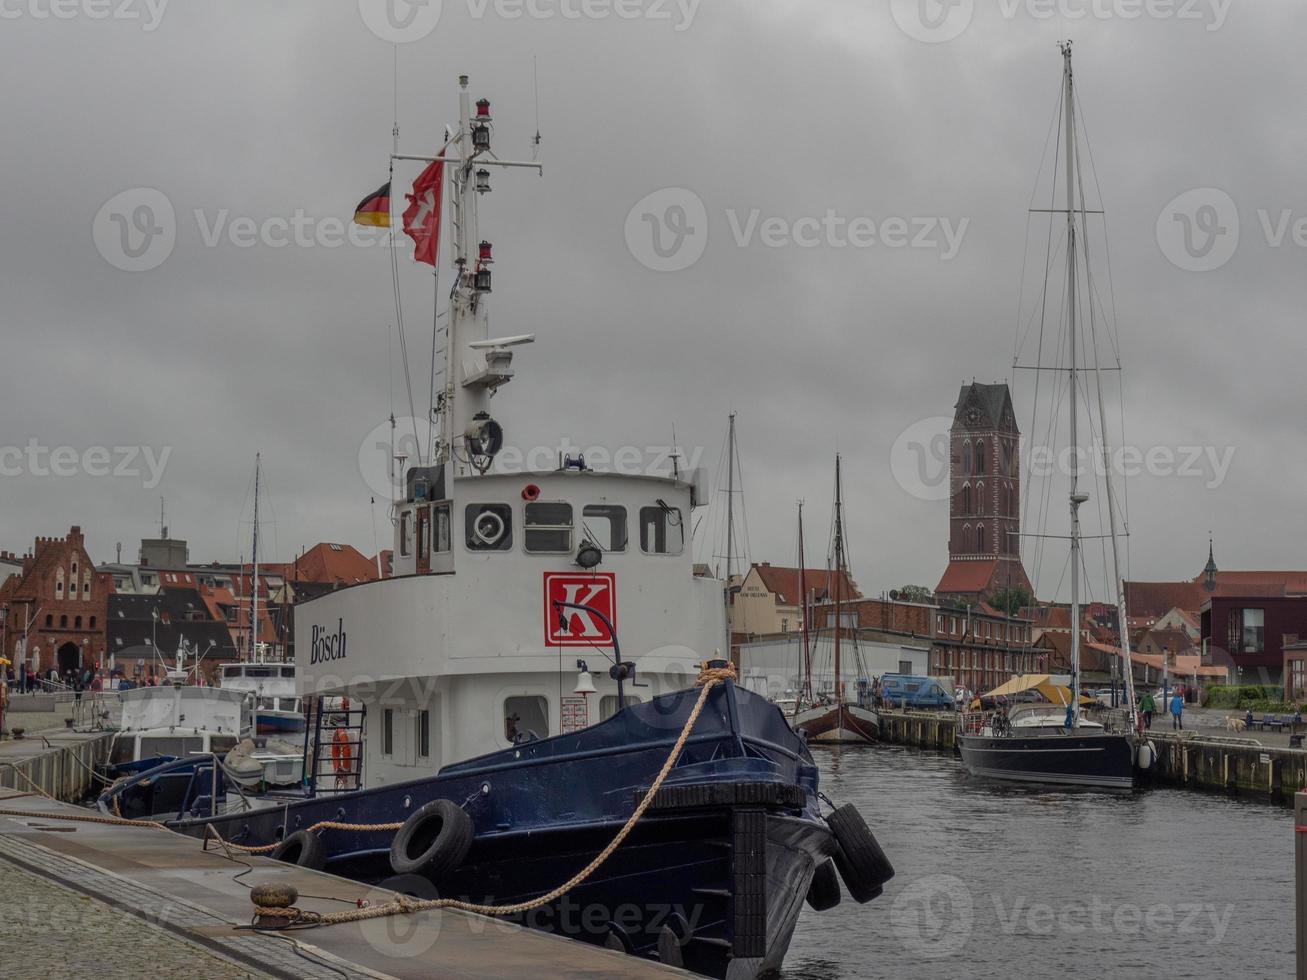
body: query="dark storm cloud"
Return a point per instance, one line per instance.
(787, 121)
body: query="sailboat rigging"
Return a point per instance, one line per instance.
(1055, 744)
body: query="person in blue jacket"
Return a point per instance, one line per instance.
(1177, 711)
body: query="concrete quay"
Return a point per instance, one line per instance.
(169, 895)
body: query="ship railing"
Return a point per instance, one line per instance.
(974, 722)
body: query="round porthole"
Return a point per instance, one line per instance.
(408, 802)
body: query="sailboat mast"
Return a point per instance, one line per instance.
(839, 577)
(1076, 497)
(805, 687)
(730, 525)
(254, 578)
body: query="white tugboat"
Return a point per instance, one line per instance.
(510, 762)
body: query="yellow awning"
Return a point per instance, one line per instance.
(1052, 692)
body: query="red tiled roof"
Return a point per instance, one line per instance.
(1153, 600)
(784, 583)
(1176, 641)
(333, 564)
(963, 577)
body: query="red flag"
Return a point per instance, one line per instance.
(422, 216)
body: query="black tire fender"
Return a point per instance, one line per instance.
(434, 841)
(824, 892)
(302, 848)
(860, 860)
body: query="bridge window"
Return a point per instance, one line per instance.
(388, 731)
(548, 528)
(605, 525)
(526, 719)
(661, 532)
(405, 533)
(489, 527)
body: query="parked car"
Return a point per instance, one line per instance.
(914, 691)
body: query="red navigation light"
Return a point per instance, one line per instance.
(486, 257)
(483, 110)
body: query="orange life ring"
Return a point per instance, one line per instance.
(342, 752)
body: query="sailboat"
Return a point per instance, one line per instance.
(831, 715)
(678, 790)
(1054, 744)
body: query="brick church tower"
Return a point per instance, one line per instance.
(984, 546)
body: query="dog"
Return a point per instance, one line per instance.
(1233, 724)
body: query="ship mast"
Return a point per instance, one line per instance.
(839, 578)
(475, 364)
(805, 685)
(1076, 498)
(254, 578)
(730, 526)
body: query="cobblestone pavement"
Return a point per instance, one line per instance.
(49, 932)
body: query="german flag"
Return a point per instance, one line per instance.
(374, 209)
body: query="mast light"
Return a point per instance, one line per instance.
(481, 137)
(483, 110)
(481, 280)
(486, 253)
(483, 181)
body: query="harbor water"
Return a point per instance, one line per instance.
(1004, 882)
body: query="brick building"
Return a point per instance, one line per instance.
(54, 609)
(984, 497)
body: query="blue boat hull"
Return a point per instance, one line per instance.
(723, 857)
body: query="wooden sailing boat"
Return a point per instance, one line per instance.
(831, 716)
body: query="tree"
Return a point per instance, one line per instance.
(914, 593)
(1010, 601)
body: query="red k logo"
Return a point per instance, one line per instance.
(593, 590)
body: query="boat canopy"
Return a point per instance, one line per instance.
(1044, 684)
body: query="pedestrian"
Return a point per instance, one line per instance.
(1148, 706)
(1177, 711)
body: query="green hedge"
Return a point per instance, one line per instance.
(1255, 697)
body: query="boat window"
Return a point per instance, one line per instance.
(424, 538)
(440, 535)
(405, 520)
(288, 671)
(660, 530)
(424, 734)
(605, 525)
(178, 748)
(222, 743)
(489, 527)
(548, 528)
(608, 705)
(388, 731)
(526, 719)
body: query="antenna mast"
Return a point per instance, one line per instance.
(254, 578)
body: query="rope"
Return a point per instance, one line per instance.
(709, 677)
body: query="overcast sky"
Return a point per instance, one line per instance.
(751, 110)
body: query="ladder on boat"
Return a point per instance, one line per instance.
(334, 757)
